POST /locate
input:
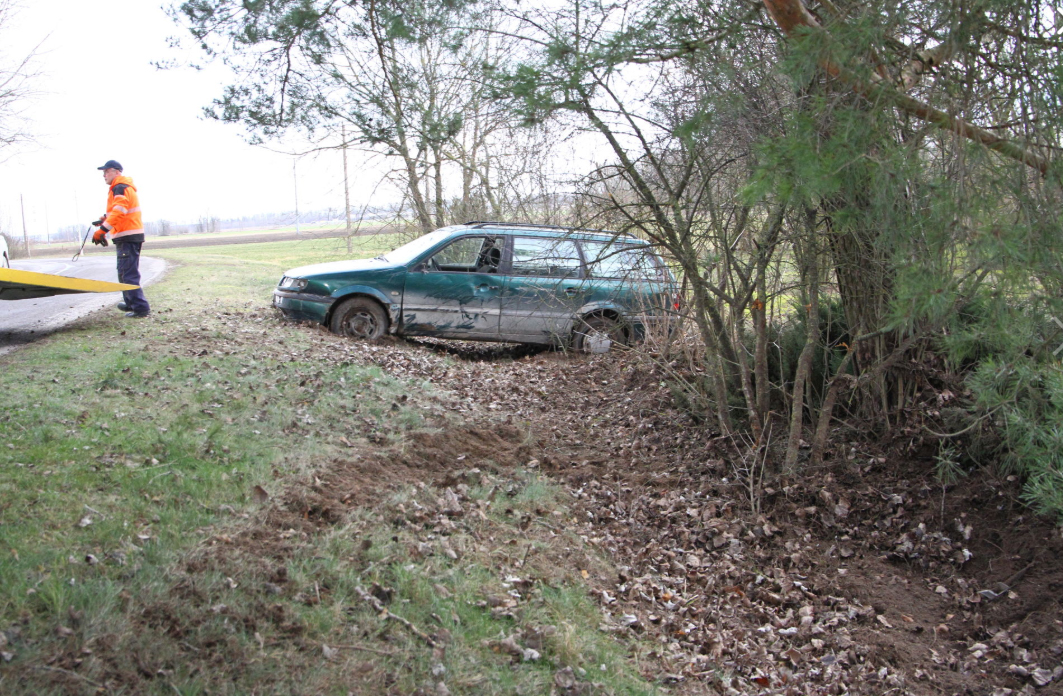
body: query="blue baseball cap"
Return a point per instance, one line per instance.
(110, 164)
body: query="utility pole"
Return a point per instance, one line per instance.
(47, 226)
(295, 179)
(346, 190)
(25, 237)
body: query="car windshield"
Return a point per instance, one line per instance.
(409, 252)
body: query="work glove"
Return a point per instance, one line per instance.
(97, 223)
(100, 237)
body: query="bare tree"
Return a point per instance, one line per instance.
(18, 77)
(403, 80)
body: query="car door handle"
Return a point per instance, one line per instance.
(485, 286)
(573, 291)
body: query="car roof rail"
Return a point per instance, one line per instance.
(528, 225)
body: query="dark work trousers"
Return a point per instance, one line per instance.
(129, 272)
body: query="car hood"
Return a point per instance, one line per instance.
(333, 267)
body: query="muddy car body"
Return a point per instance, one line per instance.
(492, 282)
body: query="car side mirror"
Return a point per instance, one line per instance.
(419, 268)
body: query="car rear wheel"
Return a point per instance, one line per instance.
(598, 334)
(359, 317)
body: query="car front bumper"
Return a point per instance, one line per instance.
(302, 306)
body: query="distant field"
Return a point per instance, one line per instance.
(284, 234)
(263, 261)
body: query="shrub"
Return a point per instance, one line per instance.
(1024, 399)
(1004, 347)
(788, 338)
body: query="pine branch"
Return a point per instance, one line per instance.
(792, 15)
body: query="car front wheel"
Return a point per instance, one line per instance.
(359, 317)
(598, 334)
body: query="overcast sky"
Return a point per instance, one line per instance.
(102, 99)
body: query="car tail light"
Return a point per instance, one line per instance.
(677, 302)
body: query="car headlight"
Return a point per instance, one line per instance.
(288, 283)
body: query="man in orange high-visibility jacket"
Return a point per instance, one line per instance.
(123, 223)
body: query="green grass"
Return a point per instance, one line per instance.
(129, 460)
(338, 225)
(451, 600)
(279, 256)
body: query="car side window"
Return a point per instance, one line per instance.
(538, 256)
(623, 261)
(469, 255)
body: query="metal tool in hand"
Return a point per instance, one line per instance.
(88, 233)
(86, 238)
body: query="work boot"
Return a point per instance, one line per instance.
(136, 315)
(122, 307)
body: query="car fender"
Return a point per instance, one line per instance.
(633, 319)
(600, 307)
(393, 305)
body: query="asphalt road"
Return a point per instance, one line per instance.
(25, 321)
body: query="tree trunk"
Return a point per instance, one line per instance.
(810, 277)
(865, 285)
(438, 170)
(756, 416)
(759, 309)
(826, 412)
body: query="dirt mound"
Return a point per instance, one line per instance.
(474, 351)
(423, 456)
(328, 494)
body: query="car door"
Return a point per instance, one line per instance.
(543, 289)
(456, 292)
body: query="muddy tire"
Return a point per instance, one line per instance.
(598, 334)
(359, 317)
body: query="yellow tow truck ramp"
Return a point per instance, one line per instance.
(27, 285)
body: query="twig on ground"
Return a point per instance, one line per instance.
(380, 608)
(1007, 585)
(1014, 579)
(526, 552)
(71, 674)
(165, 473)
(142, 469)
(549, 526)
(94, 510)
(363, 648)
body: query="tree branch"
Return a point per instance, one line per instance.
(792, 15)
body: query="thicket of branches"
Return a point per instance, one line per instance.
(862, 199)
(17, 78)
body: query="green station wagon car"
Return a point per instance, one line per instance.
(491, 281)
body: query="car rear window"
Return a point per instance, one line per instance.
(619, 260)
(539, 256)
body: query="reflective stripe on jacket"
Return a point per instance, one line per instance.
(123, 210)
